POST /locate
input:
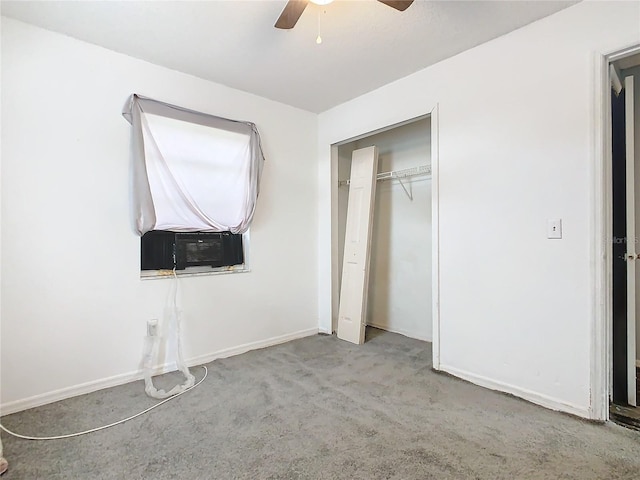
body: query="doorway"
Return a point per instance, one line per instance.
(624, 392)
(400, 282)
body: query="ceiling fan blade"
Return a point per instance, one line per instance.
(291, 13)
(398, 4)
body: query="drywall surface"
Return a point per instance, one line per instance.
(74, 309)
(399, 298)
(516, 127)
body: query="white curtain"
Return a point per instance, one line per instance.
(192, 171)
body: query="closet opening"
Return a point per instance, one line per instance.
(398, 296)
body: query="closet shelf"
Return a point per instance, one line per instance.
(397, 174)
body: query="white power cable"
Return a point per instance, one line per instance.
(150, 389)
(58, 437)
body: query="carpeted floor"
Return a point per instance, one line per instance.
(320, 408)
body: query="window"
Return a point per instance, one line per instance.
(195, 185)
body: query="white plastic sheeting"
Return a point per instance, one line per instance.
(192, 171)
(3, 463)
(159, 336)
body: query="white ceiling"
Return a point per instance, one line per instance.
(366, 44)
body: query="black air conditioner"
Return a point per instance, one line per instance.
(161, 250)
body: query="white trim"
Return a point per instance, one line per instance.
(193, 272)
(600, 249)
(435, 237)
(269, 342)
(88, 387)
(629, 51)
(533, 397)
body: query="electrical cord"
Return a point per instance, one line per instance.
(151, 390)
(97, 429)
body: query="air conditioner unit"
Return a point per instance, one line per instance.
(165, 250)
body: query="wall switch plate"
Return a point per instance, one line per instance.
(152, 327)
(554, 228)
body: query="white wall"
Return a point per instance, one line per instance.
(516, 127)
(74, 309)
(399, 297)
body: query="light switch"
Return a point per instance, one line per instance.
(554, 228)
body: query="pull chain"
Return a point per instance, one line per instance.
(319, 38)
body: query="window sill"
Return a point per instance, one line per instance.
(193, 272)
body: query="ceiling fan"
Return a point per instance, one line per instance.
(294, 8)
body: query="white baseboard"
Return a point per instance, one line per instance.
(386, 328)
(533, 397)
(81, 389)
(269, 342)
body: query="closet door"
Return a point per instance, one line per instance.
(632, 250)
(352, 311)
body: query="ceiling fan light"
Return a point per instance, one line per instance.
(321, 2)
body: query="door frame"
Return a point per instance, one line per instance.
(432, 113)
(601, 233)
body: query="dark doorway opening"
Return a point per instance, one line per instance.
(625, 260)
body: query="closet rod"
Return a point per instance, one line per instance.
(407, 172)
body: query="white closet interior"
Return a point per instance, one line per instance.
(399, 294)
